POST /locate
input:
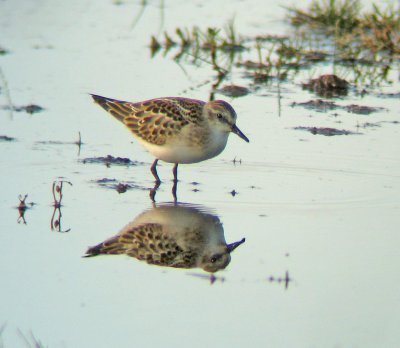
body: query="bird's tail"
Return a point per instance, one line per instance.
(118, 108)
(93, 251)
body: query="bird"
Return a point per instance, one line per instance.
(179, 235)
(175, 129)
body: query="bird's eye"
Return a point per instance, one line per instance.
(215, 258)
(219, 116)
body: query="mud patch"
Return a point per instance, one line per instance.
(317, 105)
(361, 109)
(327, 131)
(320, 105)
(233, 91)
(120, 187)
(370, 125)
(389, 95)
(7, 138)
(111, 160)
(327, 86)
(30, 108)
(3, 51)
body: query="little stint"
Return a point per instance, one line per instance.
(174, 129)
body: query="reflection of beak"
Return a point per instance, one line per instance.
(238, 132)
(233, 246)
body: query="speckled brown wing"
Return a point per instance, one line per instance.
(149, 243)
(156, 120)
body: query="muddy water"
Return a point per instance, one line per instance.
(320, 214)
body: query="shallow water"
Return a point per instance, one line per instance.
(320, 214)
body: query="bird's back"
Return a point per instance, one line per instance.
(156, 120)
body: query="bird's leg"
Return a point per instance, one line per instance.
(153, 169)
(153, 192)
(175, 171)
(174, 188)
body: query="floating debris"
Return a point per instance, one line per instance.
(389, 95)
(325, 131)
(370, 125)
(3, 51)
(22, 207)
(391, 122)
(362, 109)
(233, 91)
(323, 105)
(6, 138)
(120, 187)
(234, 161)
(43, 47)
(317, 104)
(211, 278)
(195, 184)
(285, 280)
(30, 109)
(327, 86)
(111, 160)
(234, 193)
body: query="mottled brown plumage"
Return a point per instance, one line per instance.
(180, 236)
(156, 121)
(174, 129)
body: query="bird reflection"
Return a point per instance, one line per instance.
(173, 235)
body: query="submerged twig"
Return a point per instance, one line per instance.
(55, 223)
(285, 280)
(32, 342)
(57, 190)
(139, 15)
(22, 207)
(79, 143)
(7, 92)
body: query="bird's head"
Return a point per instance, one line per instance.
(222, 116)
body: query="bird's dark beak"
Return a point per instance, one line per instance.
(234, 245)
(238, 132)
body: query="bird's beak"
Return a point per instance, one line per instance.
(238, 132)
(234, 245)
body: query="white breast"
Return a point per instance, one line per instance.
(183, 152)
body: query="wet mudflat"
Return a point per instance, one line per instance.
(315, 193)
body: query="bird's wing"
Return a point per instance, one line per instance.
(147, 242)
(154, 120)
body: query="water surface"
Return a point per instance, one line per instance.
(320, 214)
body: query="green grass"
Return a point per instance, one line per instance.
(377, 30)
(338, 33)
(329, 14)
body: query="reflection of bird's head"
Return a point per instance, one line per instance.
(219, 259)
(215, 262)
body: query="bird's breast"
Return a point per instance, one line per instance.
(191, 146)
